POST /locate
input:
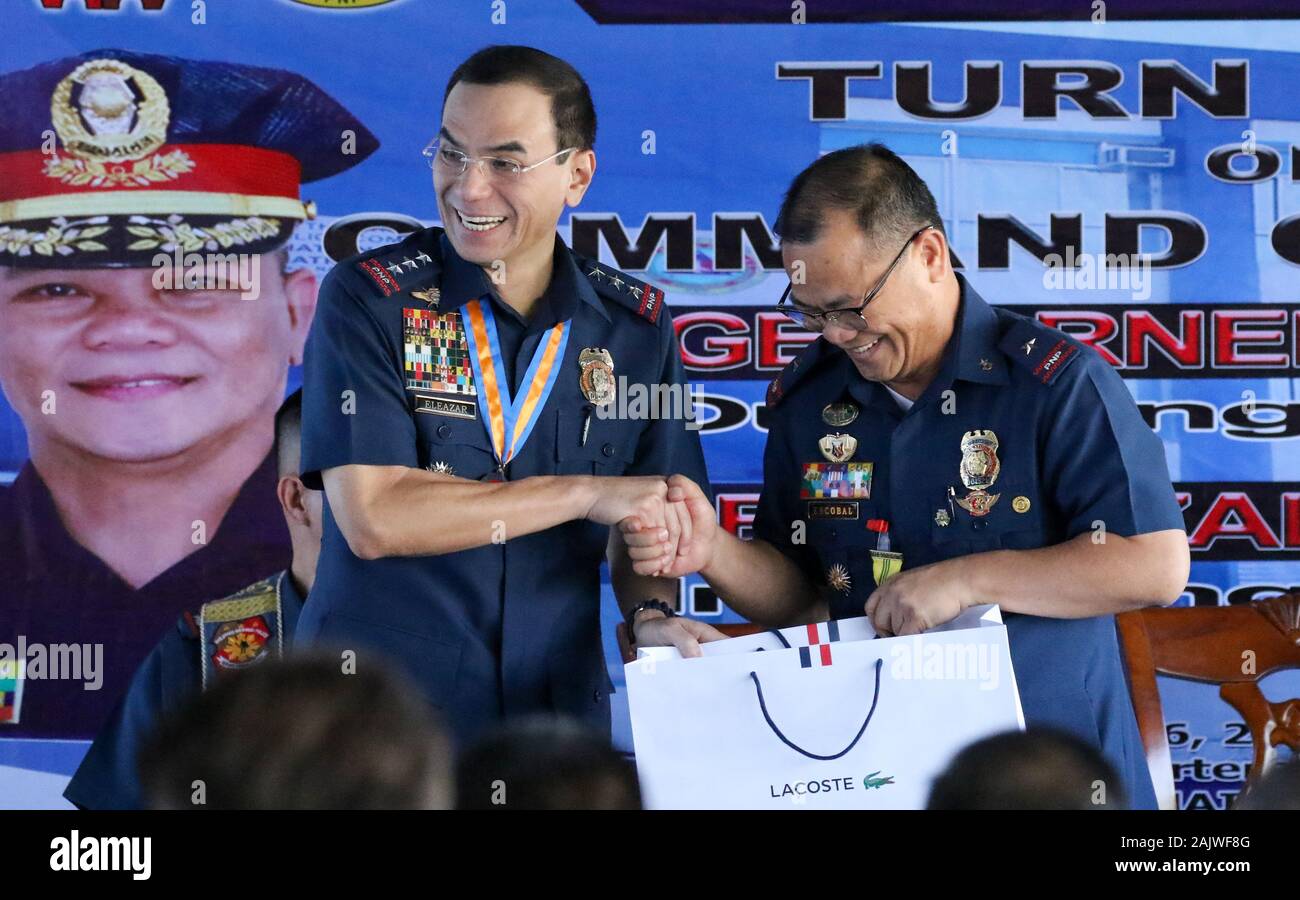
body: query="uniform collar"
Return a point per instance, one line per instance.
(289, 595)
(463, 281)
(291, 604)
(976, 338)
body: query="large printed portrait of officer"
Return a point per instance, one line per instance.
(148, 323)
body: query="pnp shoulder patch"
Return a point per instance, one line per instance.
(642, 298)
(1044, 351)
(407, 264)
(380, 276)
(241, 630)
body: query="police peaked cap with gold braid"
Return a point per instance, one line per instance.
(153, 152)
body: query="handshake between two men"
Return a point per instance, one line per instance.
(673, 532)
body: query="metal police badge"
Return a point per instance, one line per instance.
(838, 448)
(597, 378)
(979, 470)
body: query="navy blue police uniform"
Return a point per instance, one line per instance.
(250, 626)
(154, 153)
(407, 346)
(1024, 439)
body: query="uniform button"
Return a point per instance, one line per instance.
(595, 696)
(608, 449)
(979, 524)
(444, 431)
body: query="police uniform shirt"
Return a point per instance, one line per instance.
(54, 591)
(170, 676)
(508, 627)
(1073, 451)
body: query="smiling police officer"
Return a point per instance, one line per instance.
(456, 397)
(942, 453)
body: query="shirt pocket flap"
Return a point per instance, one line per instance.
(609, 441)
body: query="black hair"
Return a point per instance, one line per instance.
(889, 200)
(545, 762)
(1041, 768)
(299, 734)
(288, 435)
(571, 108)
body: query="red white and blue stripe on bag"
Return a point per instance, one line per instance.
(818, 651)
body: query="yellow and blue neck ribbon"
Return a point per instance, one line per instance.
(509, 420)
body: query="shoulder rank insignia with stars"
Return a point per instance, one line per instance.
(388, 275)
(644, 299)
(1045, 359)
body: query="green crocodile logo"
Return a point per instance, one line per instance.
(871, 781)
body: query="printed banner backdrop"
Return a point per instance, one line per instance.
(1189, 151)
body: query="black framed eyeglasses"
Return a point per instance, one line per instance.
(850, 317)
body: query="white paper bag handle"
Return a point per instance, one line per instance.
(762, 705)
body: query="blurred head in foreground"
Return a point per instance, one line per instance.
(1035, 769)
(300, 734)
(1279, 788)
(545, 762)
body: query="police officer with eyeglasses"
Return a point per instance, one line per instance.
(930, 452)
(459, 398)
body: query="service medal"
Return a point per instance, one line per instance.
(837, 577)
(837, 415)
(597, 378)
(837, 447)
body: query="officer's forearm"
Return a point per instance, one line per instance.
(1079, 578)
(398, 511)
(631, 588)
(759, 582)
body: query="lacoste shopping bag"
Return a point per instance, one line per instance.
(822, 716)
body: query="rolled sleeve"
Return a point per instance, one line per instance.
(354, 398)
(1103, 463)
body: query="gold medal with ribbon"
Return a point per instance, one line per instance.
(885, 562)
(509, 420)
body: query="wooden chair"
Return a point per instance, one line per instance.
(1231, 646)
